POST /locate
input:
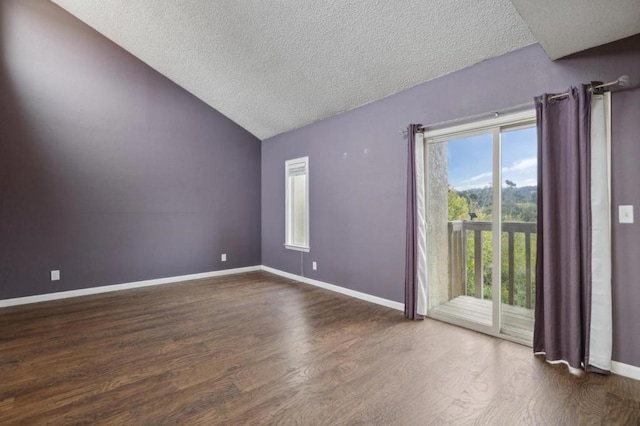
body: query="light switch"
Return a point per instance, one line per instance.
(625, 214)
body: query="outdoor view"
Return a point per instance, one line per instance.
(469, 195)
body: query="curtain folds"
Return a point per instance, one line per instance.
(569, 164)
(415, 295)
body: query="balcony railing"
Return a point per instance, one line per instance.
(459, 257)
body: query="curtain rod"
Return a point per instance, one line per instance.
(621, 81)
(475, 116)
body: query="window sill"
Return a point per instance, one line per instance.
(298, 248)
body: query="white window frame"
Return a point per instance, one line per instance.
(288, 165)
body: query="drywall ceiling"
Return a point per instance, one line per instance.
(563, 27)
(272, 66)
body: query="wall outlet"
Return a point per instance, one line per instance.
(55, 275)
(314, 265)
(625, 214)
(223, 257)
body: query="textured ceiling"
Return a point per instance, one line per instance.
(563, 27)
(272, 66)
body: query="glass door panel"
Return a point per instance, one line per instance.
(519, 220)
(459, 186)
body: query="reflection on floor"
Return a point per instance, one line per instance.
(516, 321)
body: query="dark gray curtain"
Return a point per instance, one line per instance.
(563, 263)
(411, 265)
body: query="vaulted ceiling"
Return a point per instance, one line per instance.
(273, 66)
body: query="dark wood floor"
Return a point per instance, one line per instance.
(259, 349)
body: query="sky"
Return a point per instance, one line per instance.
(469, 159)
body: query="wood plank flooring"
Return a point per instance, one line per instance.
(259, 349)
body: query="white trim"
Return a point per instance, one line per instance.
(474, 126)
(626, 370)
(298, 248)
(489, 330)
(289, 165)
(358, 295)
(496, 237)
(607, 101)
(117, 287)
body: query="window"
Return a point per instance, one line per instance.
(297, 204)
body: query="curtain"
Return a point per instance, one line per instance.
(601, 329)
(571, 199)
(415, 294)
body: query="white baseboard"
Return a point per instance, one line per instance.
(160, 281)
(116, 287)
(626, 370)
(358, 295)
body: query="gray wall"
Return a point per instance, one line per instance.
(358, 171)
(109, 171)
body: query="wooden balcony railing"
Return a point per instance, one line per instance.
(458, 257)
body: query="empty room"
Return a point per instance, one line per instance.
(319, 212)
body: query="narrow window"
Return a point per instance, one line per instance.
(297, 204)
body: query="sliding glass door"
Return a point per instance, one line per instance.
(481, 224)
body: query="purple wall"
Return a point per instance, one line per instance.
(109, 171)
(358, 171)
(625, 155)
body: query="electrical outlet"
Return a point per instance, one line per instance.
(55, 275)
(315, 266)
(223, 257)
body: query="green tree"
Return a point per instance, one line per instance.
(516, 208)
(458, 206)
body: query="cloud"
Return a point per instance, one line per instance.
(518, 166)
(478, 177)
(465, 187)
(522, 165)
(529, 182)
(525, 165)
